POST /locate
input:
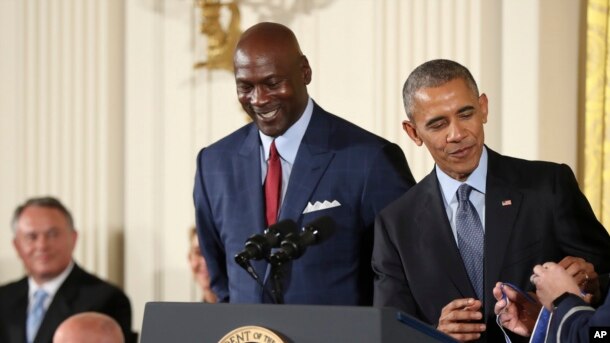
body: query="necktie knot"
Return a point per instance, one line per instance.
(463, 193)
(39, 296)
(273, 154)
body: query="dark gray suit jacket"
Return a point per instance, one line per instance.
(80, 292)
(336, 161)
(535, 213)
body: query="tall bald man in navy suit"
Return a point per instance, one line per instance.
(328, 167)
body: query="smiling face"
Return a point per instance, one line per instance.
(449, 120)
(44, 241)
(271, 76)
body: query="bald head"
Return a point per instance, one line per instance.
(271, 75)
(267, 37)
(89, 327)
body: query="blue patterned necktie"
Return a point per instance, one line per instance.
(470, 238)
(36, 314)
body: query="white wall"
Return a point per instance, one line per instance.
(61, 126)
(100, 104)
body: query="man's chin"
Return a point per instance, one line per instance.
(47, 273)
(269, 130)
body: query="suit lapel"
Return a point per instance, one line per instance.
(502, 204)
(19, 306)
(250, 162)
(313, 158)
(61, 307)
(450, 260)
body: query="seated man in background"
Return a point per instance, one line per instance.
(199, 268)
(55, 286)
(89, 327)
(572, 316)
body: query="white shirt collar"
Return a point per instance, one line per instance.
(288, 144)
(50, 287)
(477, 180)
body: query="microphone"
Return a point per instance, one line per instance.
(259, 246)
(294, 246)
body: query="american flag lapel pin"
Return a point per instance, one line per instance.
(507, 202)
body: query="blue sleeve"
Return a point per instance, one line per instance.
(573, 318)
(209, 240)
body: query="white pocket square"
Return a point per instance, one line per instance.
(317, 206)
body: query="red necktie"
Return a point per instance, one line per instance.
(273, 185)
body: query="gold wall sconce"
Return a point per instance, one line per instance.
(220, 41)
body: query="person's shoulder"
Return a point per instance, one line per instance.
(345, 133)
(229, 142)
(86, 290)
(356, 131)
(13, 287)
(83, 279)
(527, 164)
(411, 201)
(523, 168)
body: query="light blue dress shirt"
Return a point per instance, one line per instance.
(449, 186)
(287, 146)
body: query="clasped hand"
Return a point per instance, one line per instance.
(572, 274)
(461, 319)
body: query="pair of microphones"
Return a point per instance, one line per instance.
(285, 236)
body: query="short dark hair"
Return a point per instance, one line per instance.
(47, 201)
(434, 73)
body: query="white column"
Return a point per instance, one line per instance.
(540, 69)
(61, 121)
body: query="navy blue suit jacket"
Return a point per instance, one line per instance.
(534, 213)
(80, 292)
(573, 317)
(336, 161)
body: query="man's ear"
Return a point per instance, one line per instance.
(306, 70)
(74, 234)
(17, 247)
(483, 105)
(411, 130)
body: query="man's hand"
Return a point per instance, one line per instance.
(584, 275)
(551, 281)
(520, 315)
(458, 319)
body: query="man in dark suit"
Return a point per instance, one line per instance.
(438, 258)
(56, 287)
(328, 167)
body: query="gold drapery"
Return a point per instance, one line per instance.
(597, 111)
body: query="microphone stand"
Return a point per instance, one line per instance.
(276, 275)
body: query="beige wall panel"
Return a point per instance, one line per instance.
(540, 79)
(143, 149)
(559, 81)
(520, 67)
(11, 152)
(60, 123)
